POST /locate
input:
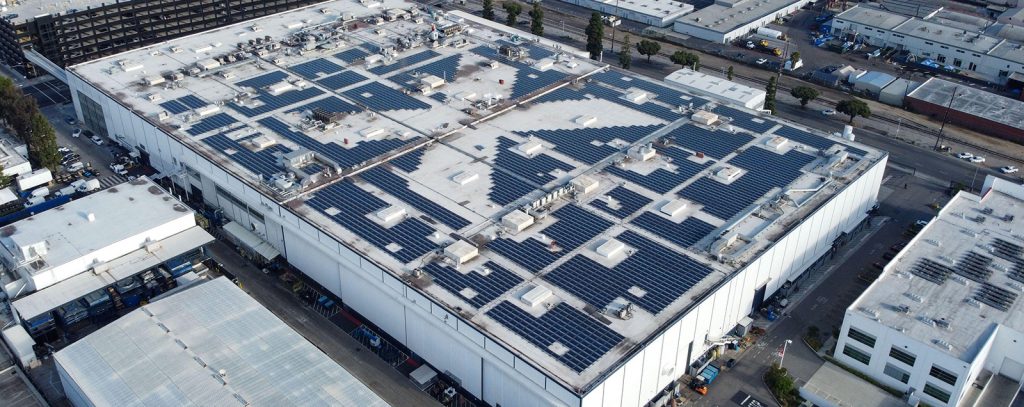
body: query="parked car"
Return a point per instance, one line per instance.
(97, 140)
(76, 133)
(731, 363)
(964, 156)
(1009, 169)
(828, 112)
(750, 45)
(73, 166)
(118, 169)
(761, 61)
(977, 159)
(63, 150)
(70, 120)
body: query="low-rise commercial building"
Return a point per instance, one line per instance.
(208, 345)
(658, 13)
(970, 107)
(726, 20)
(944, 321)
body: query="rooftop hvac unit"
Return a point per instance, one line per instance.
(916, 298)
(461, 251)
(517, 220)
(941, 323)
(536, 296)
(943, 344)
(871, 312)
(903, 309)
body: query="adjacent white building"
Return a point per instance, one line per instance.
(469, 220)
(944, 321)
(726, 20)
(658, 13)
(208, 345)
(987, 57)
(718, 88)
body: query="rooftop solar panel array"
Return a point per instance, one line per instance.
(192, 102)
(264, 80)
(574, 227)
(313, 69)
(661, 275)
(745, 120)
(536, 169)
(378, 96)
(404, 62)
(995, 296)
(813, 140)
(174, 107)
(444, 68)
(399, 188)
(586, 339)
(507, 188)
(974, 266)
(486, 288)
(210, 123)
(648, 107)
(274, 102)
(717, 143)
(353, 204)
(765, 170)
(661, 180)
(664, 93)
(685, 233)
(351, 55)
(410, 161)
(932, 271)
(364, 151)
(590, 145)
(529, 80)
(341, 80)
(263, 162)
(626, 202)
(560, 94)
(331, 104)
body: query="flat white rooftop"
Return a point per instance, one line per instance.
(414, 164)
(209, 345)
(715, 86)
(659, 9)
(724, 16)
(960, 276)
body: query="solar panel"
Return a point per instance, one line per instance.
(263, 162)
(536, 169)
(364, 151)
(574, 227)
(765, 170)
(404, 62)
(313, 69)
(485, 288)
(1007, 250)
(410, 161)
(1017, 273)
(507, 188)
(685, 233)
(380, 97)
(529, 80)
(625, 202)
(586, 339)
(813, 140)
(174, 107)
(444, 68)
(264, 80)
(715, 143)
(331, 104)
(652, 277)
(351, 55)
(974, 266)
(995, 296)
(664, 93)
(192, 101)
(649, 107)
(753, 123)
(271, 103)
(399, 187)
(661, 180)
(590, 145)
(341, 80)
(560, 94)
(406, 241)
(211, 123)
(932, 271)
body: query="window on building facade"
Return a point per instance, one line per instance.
(957, 62)
(896, 373)
(857, 354)
(861, 337)
(943, 374)
(936, 392)
(972, 66)
(902, 356)
(941, 58)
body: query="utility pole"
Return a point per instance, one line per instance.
(612, 23)
(945, 117)
(782, 61)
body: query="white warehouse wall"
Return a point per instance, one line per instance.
(664, 358)
(485, 367)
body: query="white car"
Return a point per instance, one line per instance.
(97, 140)
(965, 156)
(750, 44)
(1009, 169)
(977, 159)
(761, 61)
(76, 133)
(828, 112)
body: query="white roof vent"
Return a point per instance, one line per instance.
(916, 298)
(673, 207)
(531, 148)
(704, 117)
(585, 120)
(610, 248)
(943, 344)
(207, 110)
(871, 312)
(463, 178)
(517, 220)
(91, 217)
(390, 213)
(585, 184)
(536, 296)
(461, 251)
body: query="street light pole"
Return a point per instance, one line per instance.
(783, 355)
(945, 118)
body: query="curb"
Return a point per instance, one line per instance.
(765, 383)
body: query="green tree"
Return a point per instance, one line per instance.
(595, 36)
(781, 384)
(686, 59)
(728, 73)
(488, 11)
(795, 57)
(853, 108)
(626, 53)
(5, 180)
(21, 115)
(648, 48)
(512, 11)
(42, 144)
(537, 19)
(769, 97)
(805, 94)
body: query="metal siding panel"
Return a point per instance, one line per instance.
(533, 374)
(651, 381)
(562, 394)
(499, 352)
(612, 396)
(471, 333)
(631, 384)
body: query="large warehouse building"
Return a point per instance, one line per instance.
(971, 108)
(942, 322)
(726, 20)
(209, 345)
(544, 229)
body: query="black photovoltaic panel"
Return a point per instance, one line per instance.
(589, 145)
(351, 54)
(765, 170)
(995, 297)
(813, 140)
(575, 226)
(529, 80)
(1007, 250)
(192, 102)
(399, 188)
(488, 288)
(312, 69)
(404, 62)
(932, 271)
(444, 68)
(211, 123)
(273, 102)
(586, 339)
(378, 96)
(330, 104)
(615, 96)
(354, 204)
(507, 188)
(1017, 273)
(717, 143)
(410, 161)
(628, 202)
(662, 274)
(660, 180)
(536, 169)
(974, 266)
(536, 52)
(665, 94)
(684, 233)
(174, 107)
(341, 80)
(264, 80)
(263, 162)
(560, 94)
(364, 151)
(755, 124)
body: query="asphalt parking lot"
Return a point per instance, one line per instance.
(49, 93)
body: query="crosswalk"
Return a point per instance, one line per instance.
(111, 180)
